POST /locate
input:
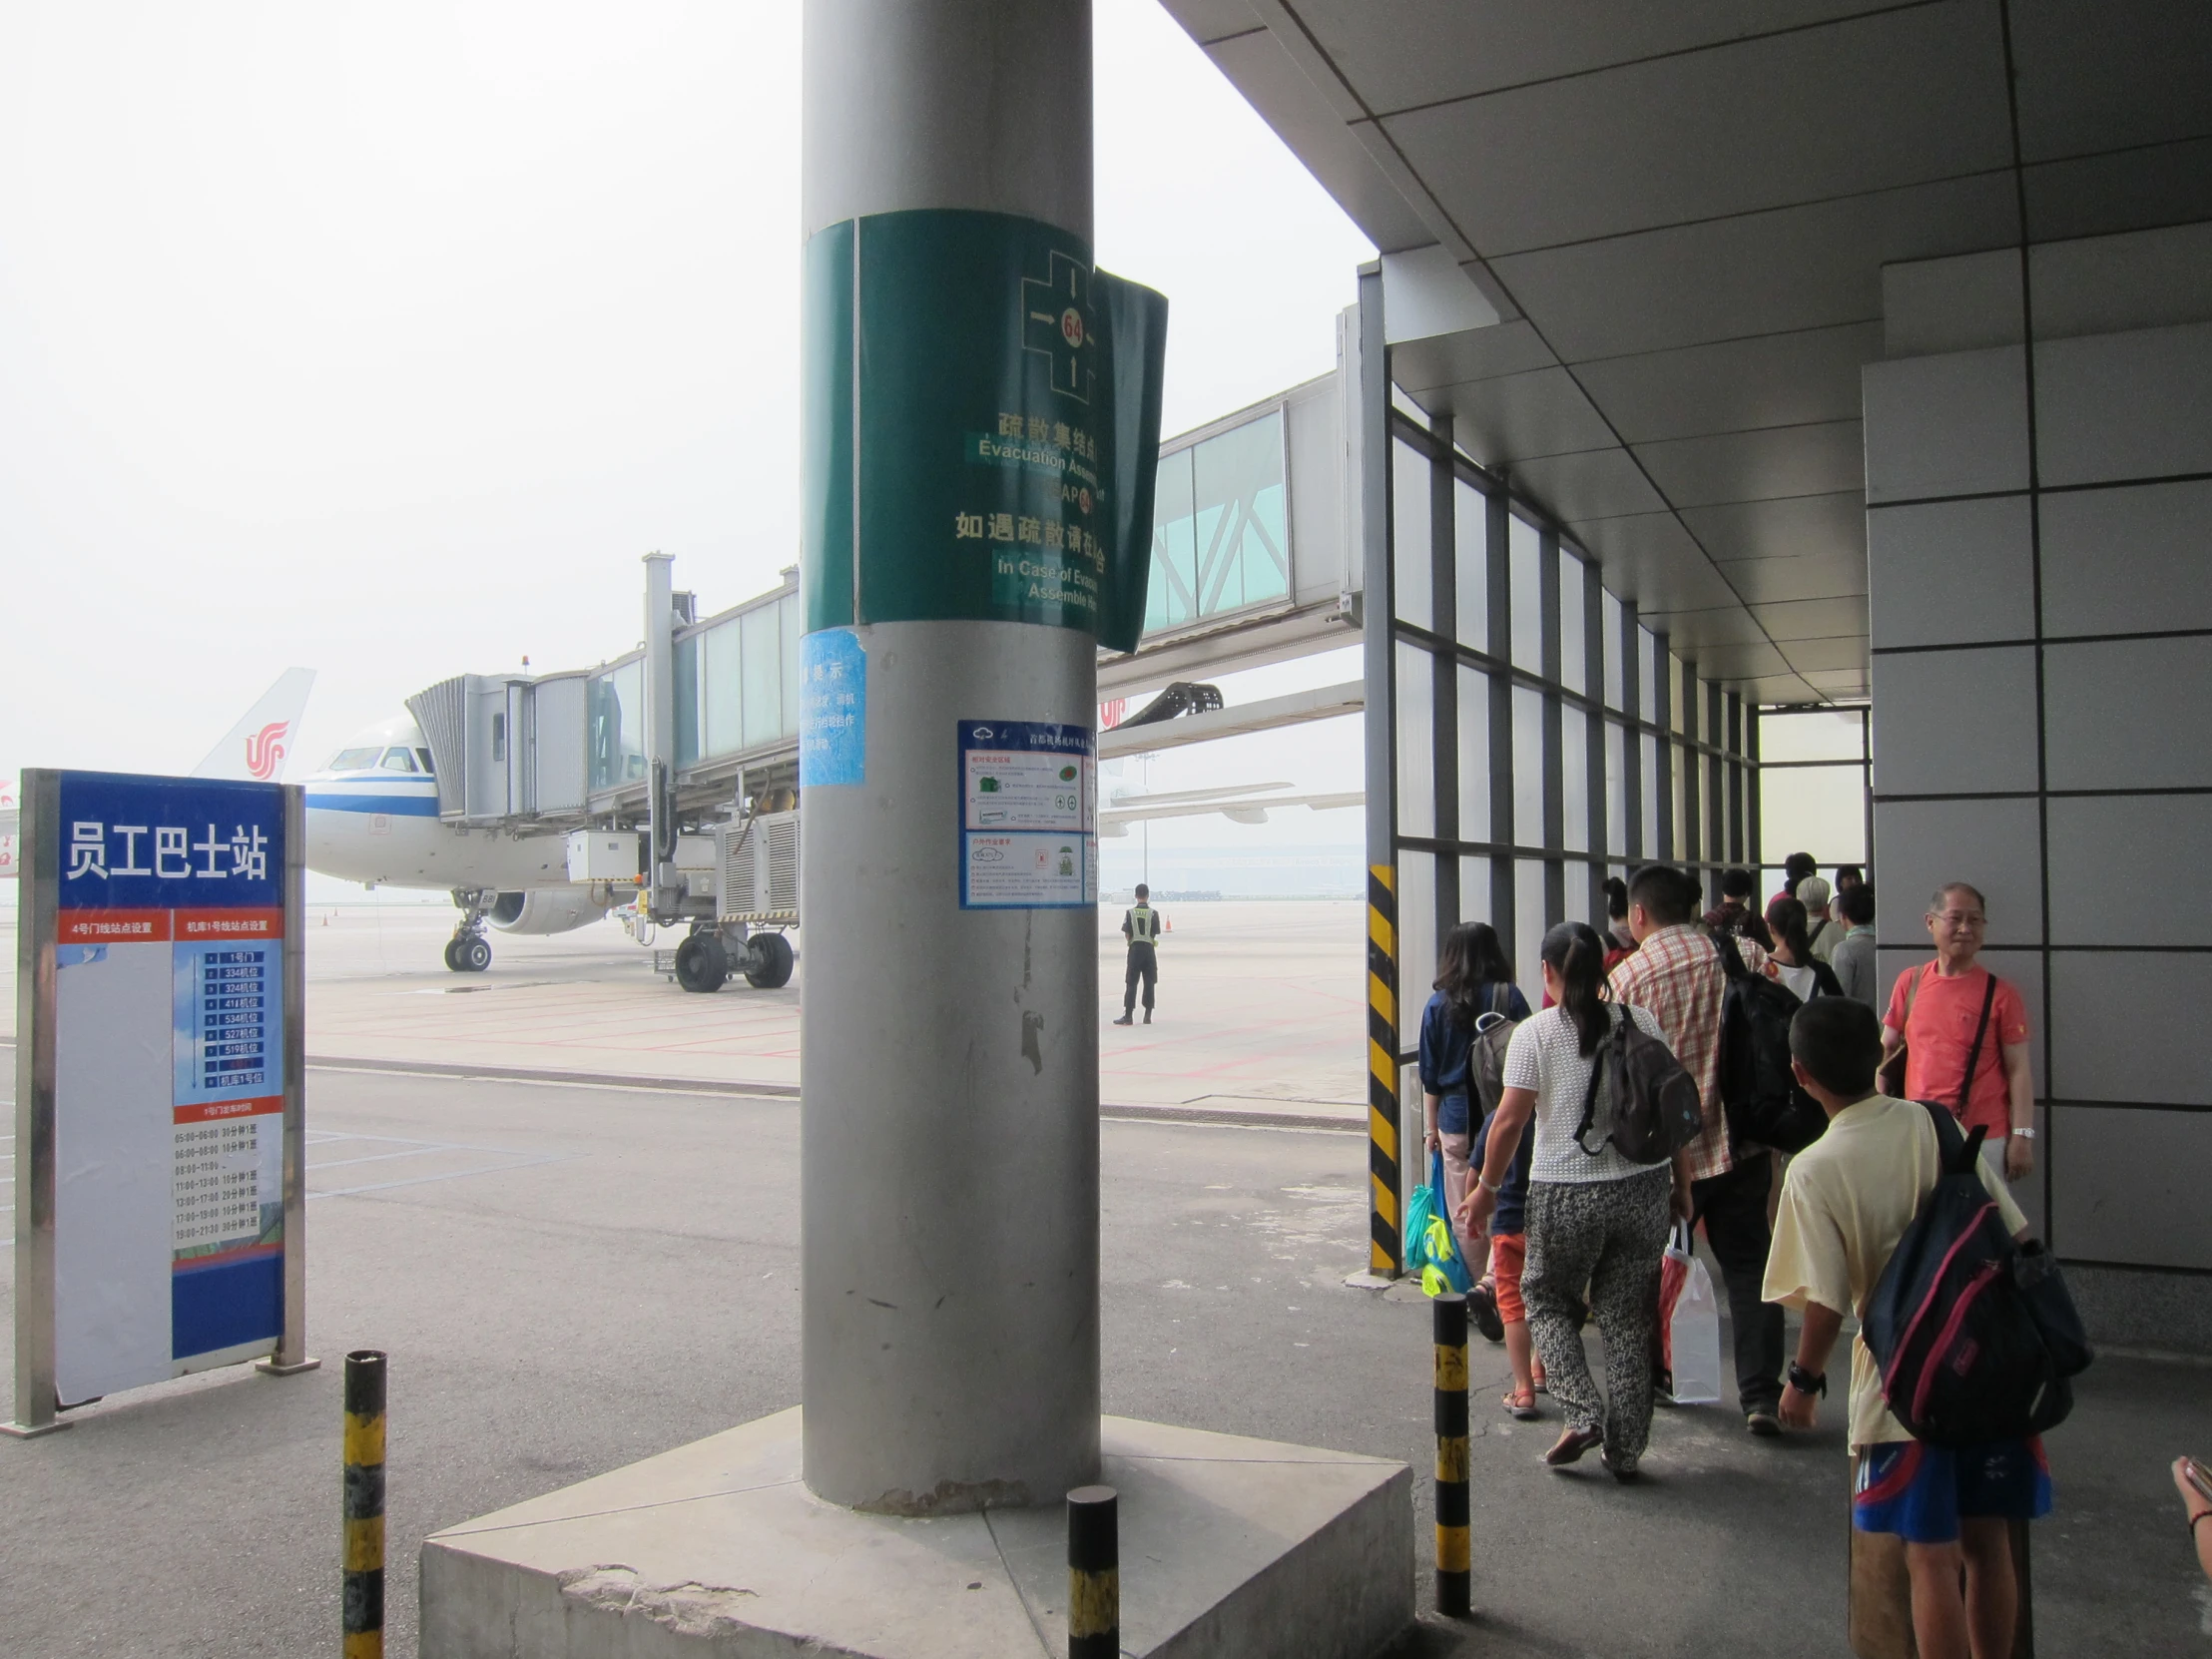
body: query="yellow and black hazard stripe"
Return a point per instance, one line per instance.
(361, 1620)
(1386, 1242)
(1454, 1562)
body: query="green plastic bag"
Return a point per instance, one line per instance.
(1431, 1249)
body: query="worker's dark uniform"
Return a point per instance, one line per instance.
(1141, 926)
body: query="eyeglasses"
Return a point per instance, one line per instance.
(1960, 918)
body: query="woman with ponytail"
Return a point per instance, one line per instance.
(1594, 1219)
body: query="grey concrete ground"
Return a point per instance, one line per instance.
(569, 1278)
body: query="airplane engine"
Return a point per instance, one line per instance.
(546, 910)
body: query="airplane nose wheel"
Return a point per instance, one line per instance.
(470, 955)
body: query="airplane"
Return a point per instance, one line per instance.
(373, 817)
(254, 750)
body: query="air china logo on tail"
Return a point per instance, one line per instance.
(264, 750)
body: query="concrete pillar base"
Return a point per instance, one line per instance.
(1229, 1548)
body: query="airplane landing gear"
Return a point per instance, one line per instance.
(702, 964)
(468, 951)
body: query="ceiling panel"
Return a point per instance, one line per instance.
(1400, 52)
(1273, 84)
(1830, 526)
(1473, 355)
(1780, 688)
(1813, 619)
(1774, 581)
(1773, 380)
(1839, 683)
(2101, 74)
(1650, 558)
(1206, 21)
(2167, 184)
(1809, 655)
(1725, 624)
(1600, 483)
(1521, 415)
(1763, 274)
(1755, 466)
(1899, 97)
(1730, 664)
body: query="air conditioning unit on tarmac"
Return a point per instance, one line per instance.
(758, 870)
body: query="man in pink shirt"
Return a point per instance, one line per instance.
(1937, 1011)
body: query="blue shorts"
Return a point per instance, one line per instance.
(1921, 1493)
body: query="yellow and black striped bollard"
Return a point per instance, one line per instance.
(1094, 1573)
(364, 1605)
(1455, 1575)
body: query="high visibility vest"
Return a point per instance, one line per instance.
(1143, 926)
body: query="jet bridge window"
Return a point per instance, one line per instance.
(398, 760)
(354, 760)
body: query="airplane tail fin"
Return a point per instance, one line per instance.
(257, 746)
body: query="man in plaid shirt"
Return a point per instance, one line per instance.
(1676, 974)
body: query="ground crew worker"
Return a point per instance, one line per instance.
(1140, 925)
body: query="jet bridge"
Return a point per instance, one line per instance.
(671, 770)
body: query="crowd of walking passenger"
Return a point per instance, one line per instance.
(1743, 1072)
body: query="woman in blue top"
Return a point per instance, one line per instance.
(1473, 980)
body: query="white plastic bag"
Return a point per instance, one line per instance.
(1693, 1317)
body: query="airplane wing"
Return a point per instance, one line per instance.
(256, 745)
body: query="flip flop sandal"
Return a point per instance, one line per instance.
(1522, 1407)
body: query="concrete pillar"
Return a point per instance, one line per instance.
(949, 1055)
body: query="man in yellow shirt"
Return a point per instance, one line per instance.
(1845, 1201)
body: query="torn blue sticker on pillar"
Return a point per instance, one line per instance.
(832, 709)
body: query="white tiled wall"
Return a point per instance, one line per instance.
(2077, 788)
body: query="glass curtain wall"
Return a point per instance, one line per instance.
(1816, 790)
(1547, 737)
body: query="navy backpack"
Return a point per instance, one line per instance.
(1974, 1333)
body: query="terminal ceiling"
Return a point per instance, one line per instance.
(1680, 214)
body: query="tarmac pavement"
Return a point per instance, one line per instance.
(571, 1277)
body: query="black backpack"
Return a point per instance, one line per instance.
(1640, 1099)
(1765, 1105)
(1975, 1335)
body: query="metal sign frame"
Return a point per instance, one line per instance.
(36, 1069)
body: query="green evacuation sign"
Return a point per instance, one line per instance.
(981, 426)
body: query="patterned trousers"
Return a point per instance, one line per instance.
(1609, 1236)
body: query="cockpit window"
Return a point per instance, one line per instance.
(423, 755)
(354, 760)
(398, 760)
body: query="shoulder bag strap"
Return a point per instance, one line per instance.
(1973, 1055)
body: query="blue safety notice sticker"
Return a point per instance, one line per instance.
(832, 709)
(1028, 815)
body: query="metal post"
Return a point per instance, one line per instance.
(1632, 737)
(361, 1508)
(659, 727)
(949, 1137)
(1094, 1573)
(1455, 1560)
(35, 1399)
(291, 1356)
(1385, 1165)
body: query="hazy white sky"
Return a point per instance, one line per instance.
(383, 340)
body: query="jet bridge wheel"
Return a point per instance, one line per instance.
(701, 963)
(771, 964)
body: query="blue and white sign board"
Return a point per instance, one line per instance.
(1028, 815)
(157, 1096)
(832, 709)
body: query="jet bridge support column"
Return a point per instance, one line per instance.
(949, 1054)
(659, 727)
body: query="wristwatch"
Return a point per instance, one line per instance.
(1484, 1181)
(1806, 1383)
